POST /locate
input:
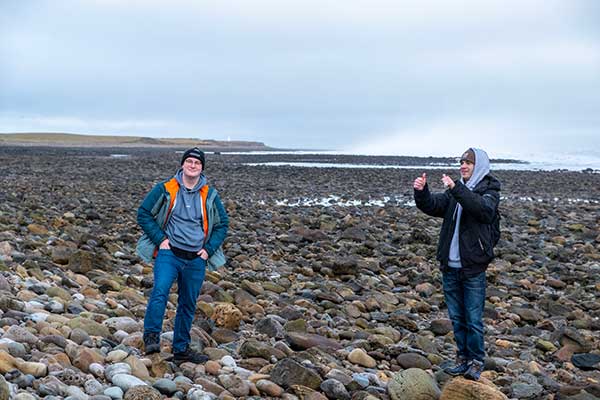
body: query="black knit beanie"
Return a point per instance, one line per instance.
(194, 153)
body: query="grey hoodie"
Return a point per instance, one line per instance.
(184, 229)
(482, 168)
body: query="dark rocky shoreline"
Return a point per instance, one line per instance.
(337, 301)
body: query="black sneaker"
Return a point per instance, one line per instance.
(459, 368)
(189, 355)
(474, 371)
(151, 342)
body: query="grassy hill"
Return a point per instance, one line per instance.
(71, 139)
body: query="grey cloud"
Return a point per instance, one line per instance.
(305, 82)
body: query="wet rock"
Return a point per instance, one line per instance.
(142, 393)
(116, 356)
(114, 392)
(269, 388)
(126, 382)
(165, 386)
(85, 357)
(354, 233)
(81, 262)
(586, 361)
(304, 341)
(210, 386)
(413, 360)
(37, 229)
(116, 369)
(91, 327)
(61, 255)
(4, 389)
(227, 316)
(334, 389)
(253, 348)
(360, 357)
(126, 324)
(441, 326)
(235, 385)
(138, 368)
(221, 335)
(270, 327)
(463, 389)
(288, 372)
(413, 383)
(527, 387)
(93, 387)
(20, 335)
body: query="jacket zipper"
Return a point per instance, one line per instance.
(168, 216)
(203, 216)
(480, 244)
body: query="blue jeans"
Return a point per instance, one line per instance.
(465, 298)
(189, 275)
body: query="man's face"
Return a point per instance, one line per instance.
(466, 169)
(192, 168)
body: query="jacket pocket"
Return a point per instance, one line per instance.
(145, 248)
(476, 248)
(216, 260)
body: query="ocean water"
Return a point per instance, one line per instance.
(557, 162)
(587, 163)
(546, 162)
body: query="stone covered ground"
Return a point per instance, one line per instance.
(338, 299)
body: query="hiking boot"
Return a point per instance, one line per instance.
(152, 342)
(474, 371)
(459, 368)
(189, 355)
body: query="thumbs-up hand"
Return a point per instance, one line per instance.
(420, 182)
(447, 181)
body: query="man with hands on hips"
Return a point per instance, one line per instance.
(184, 225)
(465, 249)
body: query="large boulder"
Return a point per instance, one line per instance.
(463, 389)
(413, 384)
(288, 372)
(304, 341)
(142, 393)
(4, 389)
(227, 316)
(82, 262)
(90, 326)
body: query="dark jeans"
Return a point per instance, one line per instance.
(465, 298)
(189, 275)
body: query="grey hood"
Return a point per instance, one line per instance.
(201, 182)
(481, 169)
(185, 227)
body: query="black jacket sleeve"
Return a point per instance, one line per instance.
(481, 206)
(431, 204)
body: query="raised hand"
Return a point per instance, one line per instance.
(447, 181)
(420, 182)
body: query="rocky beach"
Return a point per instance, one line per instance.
(331, 290)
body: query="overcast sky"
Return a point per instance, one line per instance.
(406, 77)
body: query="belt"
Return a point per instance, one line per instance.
(188, 255)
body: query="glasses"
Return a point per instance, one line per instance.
(192, 162)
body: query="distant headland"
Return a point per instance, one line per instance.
(59, 139)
